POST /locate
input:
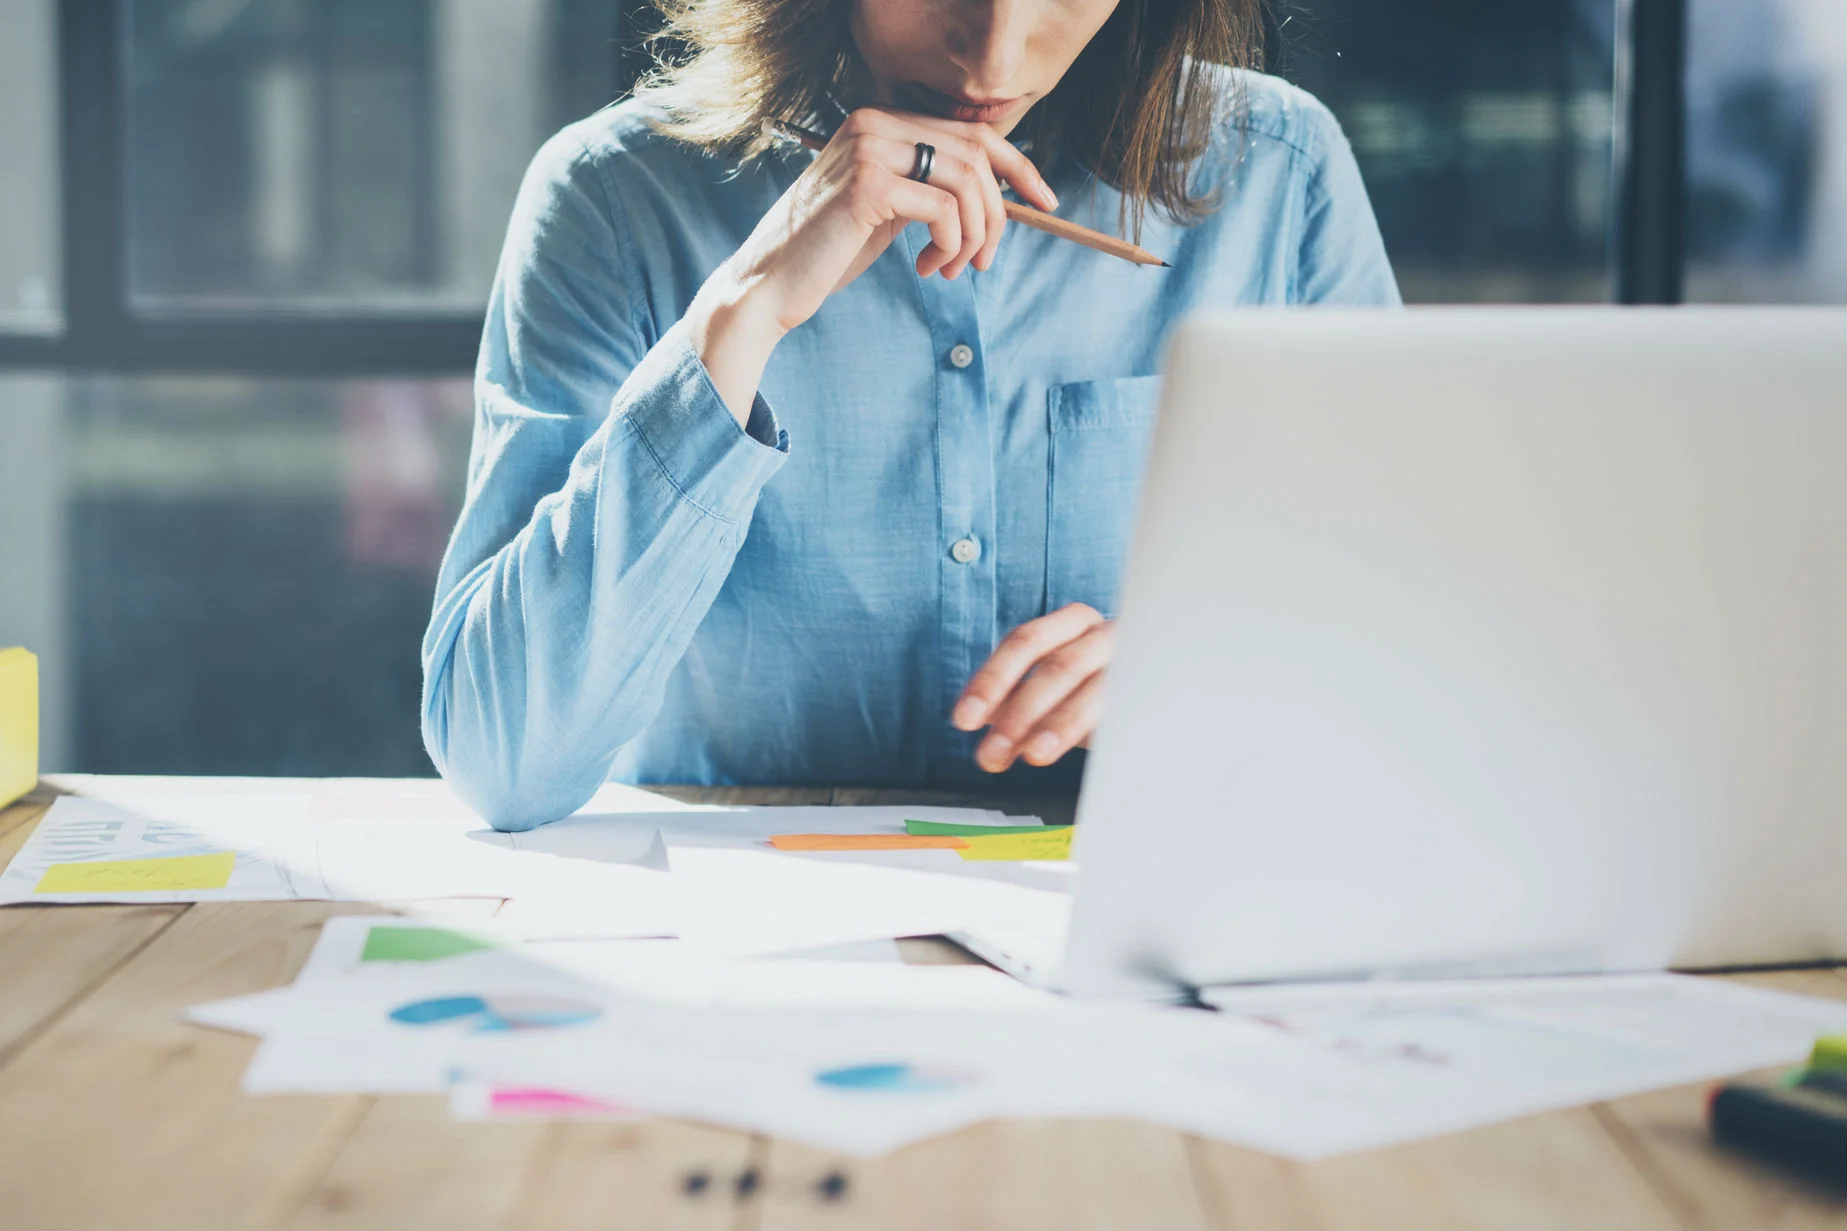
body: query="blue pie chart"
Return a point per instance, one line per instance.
(482, 1014)
(895, 1079)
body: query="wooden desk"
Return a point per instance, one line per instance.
(113, 1113)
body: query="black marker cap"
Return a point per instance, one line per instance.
(1804, 1129)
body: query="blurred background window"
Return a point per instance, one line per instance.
(252, 563)
(1486, 132)
(232, 569)
(1767, 151)
(231, 447)
(229, 575)
(338, 155)
(30, 295)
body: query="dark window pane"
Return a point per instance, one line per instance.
(1767, 151)
(229, 576)
(33, 549)
(30, 299)
(340, 155)
(1485, 131)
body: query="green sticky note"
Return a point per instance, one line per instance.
(1051, 842)
(172, 874)
(418, 945)
(1830, 1054)
(944, 829)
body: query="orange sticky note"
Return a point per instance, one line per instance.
(865, 842)
(175, 874)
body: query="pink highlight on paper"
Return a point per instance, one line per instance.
(513, 1102)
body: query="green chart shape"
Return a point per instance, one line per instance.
(944, 829)
(418, 945)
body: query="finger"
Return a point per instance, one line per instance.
(976, 146)
(1036, 744)
(878, 159)
(1014, 657)
(997, 217)
(1002, 155)
(972, 187)
(937, 209)
(1052, 679)
(958, 177)
(1068, 724)
(964, 166)
(959, 166)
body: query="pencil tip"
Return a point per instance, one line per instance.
(1164, 265)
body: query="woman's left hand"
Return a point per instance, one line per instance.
(1041, 691)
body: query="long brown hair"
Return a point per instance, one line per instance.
(1137, 108)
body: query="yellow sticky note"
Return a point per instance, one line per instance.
(1054, 843)
(175, 874)
(18, 724)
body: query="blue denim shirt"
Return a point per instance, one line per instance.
(639, 588)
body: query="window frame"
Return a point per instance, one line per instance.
(101, 332)
(1651, 206)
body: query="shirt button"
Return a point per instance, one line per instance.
(965, 551)
(961, 355)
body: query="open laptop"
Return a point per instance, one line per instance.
(1474, 642)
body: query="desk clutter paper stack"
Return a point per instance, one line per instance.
(865, 1056)
(736, 966)
(600, 874)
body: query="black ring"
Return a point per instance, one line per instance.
(926, 162)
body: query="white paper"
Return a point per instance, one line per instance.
(616, 976)
(1357, 1066)
(625, 836)
(368, 850)
(1028, 944)
(1053, 877)
(754, 902)
(369, 845)
(289, 1064)
(751, 829)
(674, 1032)
(739, 896)
(1346, 1073)
(360, 861)
(268, 833)
(858, 951)
(647, 1004)
(340, 948)
(866, 1082)
(867, 1056)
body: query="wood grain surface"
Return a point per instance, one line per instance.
(114, 1113)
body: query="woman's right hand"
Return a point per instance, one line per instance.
(839, 216)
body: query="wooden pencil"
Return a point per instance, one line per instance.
(1025, 215)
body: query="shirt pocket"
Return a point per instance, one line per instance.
(1099, 432)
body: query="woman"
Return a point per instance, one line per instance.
(772, 448)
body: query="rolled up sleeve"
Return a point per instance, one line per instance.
(609, 491)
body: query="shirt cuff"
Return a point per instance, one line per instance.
(677, 413)
(763, 427)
